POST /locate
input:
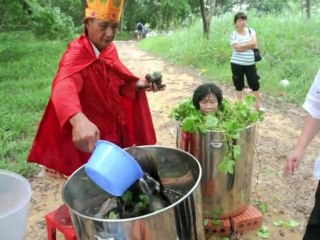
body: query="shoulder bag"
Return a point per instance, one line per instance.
(256, 52)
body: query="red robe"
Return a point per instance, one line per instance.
(104, 90)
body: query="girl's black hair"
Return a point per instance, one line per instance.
(238, 15)
(203, 90)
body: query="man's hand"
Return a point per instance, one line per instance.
(84, 133)
(143, 83)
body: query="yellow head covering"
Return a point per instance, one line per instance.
(109, 10)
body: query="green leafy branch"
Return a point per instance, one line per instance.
(231, 119)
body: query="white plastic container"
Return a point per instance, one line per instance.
(15, 194)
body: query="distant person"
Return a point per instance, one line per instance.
(140, 31)
(94, 96)
(309, 131)
(207, 98)
(242, 41)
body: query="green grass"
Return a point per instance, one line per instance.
(27, 68)
(289, 46)
(123, 36)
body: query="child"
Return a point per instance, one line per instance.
(207, 98)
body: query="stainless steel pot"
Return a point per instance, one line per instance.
(180, 174)
(223, 194)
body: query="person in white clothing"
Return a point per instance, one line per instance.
(242, 41)
(310, 129)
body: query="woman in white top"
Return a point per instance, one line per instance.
(243, 40)
(310, 130)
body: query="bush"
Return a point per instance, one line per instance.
(50, 23)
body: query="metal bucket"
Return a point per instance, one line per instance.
(180, 174)
(223, 195)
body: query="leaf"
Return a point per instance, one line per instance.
(112, 215)
(216, 221)
(278, 223)
(263, 206)
(206, 221)
(236, 151)
(263, 232)
(127, 198)
(140, 205)
(226, 166)
(293, 223)
(211, 122)
(189, 124)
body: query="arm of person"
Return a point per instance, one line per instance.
(242, 47)
(310, 129)
(311, 126)
(65, 98)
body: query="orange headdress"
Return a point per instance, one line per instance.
(104, 9)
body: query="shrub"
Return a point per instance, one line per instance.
(50, 23)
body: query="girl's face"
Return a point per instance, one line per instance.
(209, 104)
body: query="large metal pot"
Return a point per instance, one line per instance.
(180, 174)
(223, 194)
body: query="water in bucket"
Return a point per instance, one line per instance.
(15, 194)
(143, 197)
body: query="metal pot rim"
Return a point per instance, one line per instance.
(197, 182)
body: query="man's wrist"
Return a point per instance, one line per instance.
(75, 118)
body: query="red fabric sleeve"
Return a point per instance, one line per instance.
(65, 98)
(128, 90)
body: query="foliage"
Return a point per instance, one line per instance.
(162, 15)
(286, 55)
(231, 119)
(27, 67)
(14, 15)
(51, 23)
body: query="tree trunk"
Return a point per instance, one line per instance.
(207, 11)
(308, 8)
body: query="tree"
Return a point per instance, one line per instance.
(207, 8)
(308, 8)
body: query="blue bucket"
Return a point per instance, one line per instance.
(112, 168)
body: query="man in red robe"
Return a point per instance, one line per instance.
(94, 96)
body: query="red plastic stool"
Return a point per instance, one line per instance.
(59, 219)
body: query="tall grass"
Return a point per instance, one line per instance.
(27, 68)
(289, 45)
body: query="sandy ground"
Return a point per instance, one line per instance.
(287, 197)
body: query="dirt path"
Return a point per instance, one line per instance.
(287, 198)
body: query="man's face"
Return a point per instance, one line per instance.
(101, 32)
